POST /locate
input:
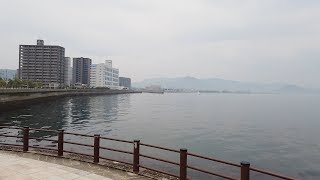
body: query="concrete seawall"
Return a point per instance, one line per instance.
(11, 99)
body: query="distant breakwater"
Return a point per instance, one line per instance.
(11, 99)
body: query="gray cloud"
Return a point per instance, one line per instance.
(269, 41)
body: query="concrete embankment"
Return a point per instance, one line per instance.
(11, 99)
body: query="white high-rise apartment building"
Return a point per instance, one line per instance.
(104, 75)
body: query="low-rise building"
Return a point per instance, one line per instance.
(125, 82)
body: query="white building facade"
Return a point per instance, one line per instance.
(104, 75)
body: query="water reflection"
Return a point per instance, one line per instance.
(79, 110)
(88, 115)
(49, 115)
(271, 131)
(95, 114)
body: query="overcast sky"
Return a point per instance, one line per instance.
(255, 41)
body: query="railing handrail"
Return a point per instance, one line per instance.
(158, 147)
(159, 159)
(245, 167)
(43, 139)
(78, 134)
(213, 159)
(6, 135)
(42, 129)
(214, 174)
(114, 139)
(116, 150)
(11, 127)
(271, 174)
(79, 144)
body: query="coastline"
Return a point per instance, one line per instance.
(11, 99)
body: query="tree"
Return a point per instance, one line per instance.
(31, 84)
(15, 83)
(28, 84)
(2, 82)
(9, 84)
(38, 84)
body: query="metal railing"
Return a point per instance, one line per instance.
(245, 168)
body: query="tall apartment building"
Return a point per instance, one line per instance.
(42, 63)
(68, 71)
(125, 82)
(81, 70)
(104, 75)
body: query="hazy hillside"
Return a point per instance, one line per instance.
(7, 73)
(220, 85)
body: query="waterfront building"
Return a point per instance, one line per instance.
(125, 82)
(153, 89)
(68, 71)
(81, 71)
(104, 75)
(42, 63)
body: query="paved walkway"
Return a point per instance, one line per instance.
(27, 166)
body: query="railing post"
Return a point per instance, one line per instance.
(245, 170)
(25, 139)
(183, 164)
(96, 148)
(136, 155)
(60, 143)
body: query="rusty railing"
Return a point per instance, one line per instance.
(244, 167)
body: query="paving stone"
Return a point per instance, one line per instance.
(29, 166)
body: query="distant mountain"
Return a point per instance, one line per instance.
(221, 85)
(295, 89)
(7, 73)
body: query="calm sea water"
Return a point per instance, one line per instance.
(280, 133)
